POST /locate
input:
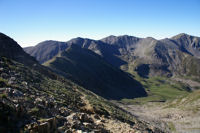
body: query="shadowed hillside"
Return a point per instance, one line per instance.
(90, 70)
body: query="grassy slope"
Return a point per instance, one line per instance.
(159, 89)
(188, 102)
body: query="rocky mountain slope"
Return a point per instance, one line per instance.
(151, 57)
(91, 71)
(35, 101)
(147, 56)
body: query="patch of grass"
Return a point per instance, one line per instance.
(186, 102)
(3, 96)
(171, 126)
(159, 89)
(144, 100)
(3, 82)
(34, 111)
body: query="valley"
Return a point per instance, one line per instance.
(171, 103)
(176, 119)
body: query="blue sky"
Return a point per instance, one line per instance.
(32, 21)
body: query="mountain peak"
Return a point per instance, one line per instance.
(120, 40)
(111, 36)
(8, 46)
(78, 40)
(180, 36)
(150, 38)
(11, 49)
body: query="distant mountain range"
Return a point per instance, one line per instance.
(176, 56)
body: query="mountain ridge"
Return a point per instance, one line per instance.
(129, 52)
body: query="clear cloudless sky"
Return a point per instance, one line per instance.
(32, 21)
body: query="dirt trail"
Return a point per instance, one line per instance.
(113, 125)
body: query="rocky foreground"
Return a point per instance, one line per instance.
(32, 102)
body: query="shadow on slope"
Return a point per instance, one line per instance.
(91, 71)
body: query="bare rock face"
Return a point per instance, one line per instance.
(82, 122)
(85, 118)
(46, 126)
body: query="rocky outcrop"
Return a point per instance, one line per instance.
(46, 126)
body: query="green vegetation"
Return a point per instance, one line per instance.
(34, 111)
(3, 96)
(3, 82)
(171, 126)
(187, 102)
(191, 66)
(159, 89)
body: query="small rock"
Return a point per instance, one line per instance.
(85, 118)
